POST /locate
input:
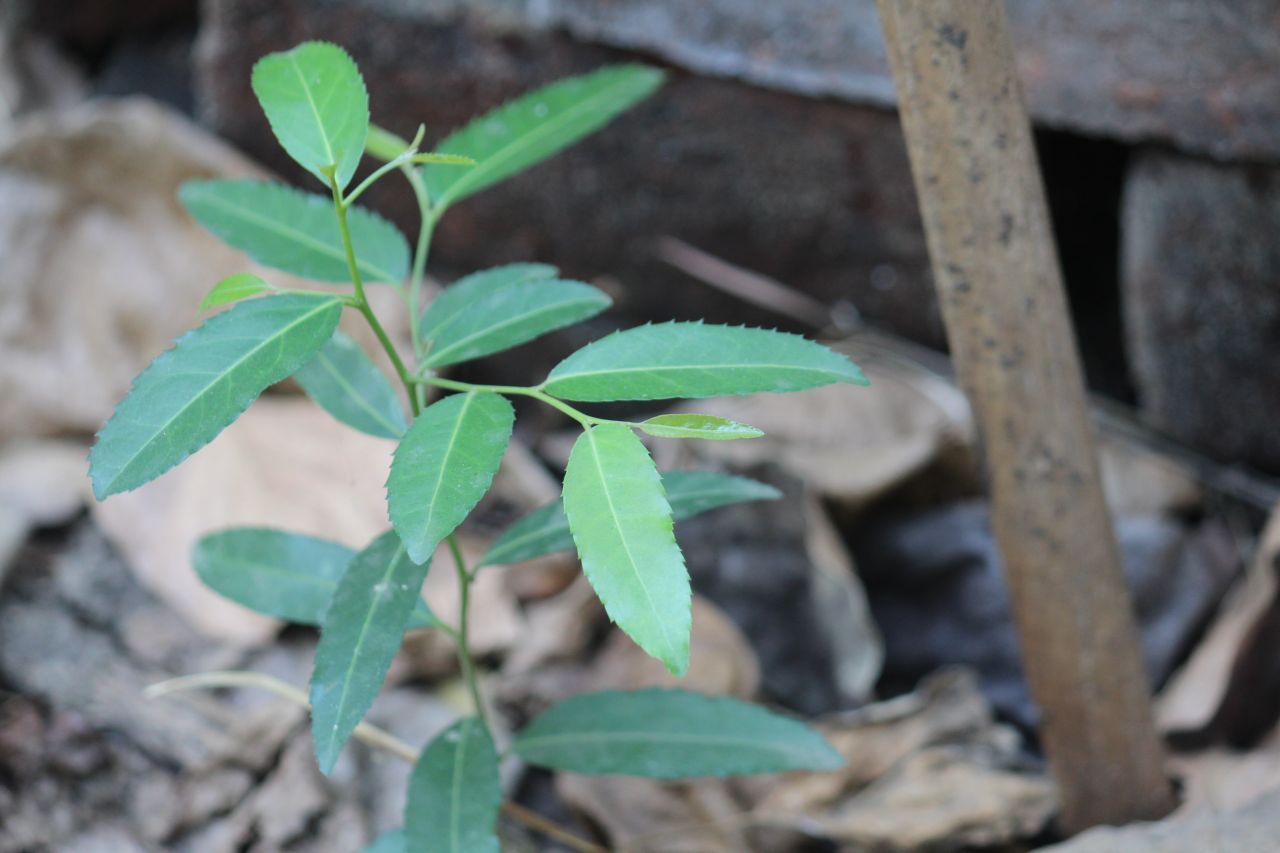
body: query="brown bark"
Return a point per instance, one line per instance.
(997, 275)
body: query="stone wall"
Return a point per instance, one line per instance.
(774, 147)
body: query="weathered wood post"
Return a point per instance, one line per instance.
(998, 280)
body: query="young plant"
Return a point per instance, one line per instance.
(617, 510)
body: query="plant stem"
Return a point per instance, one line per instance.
(465, 660)
(420, 252)
(371, 735)
(520, 390)
(362, 303)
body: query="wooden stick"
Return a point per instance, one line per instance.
(997, 276)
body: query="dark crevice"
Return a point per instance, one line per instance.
(1084, 181)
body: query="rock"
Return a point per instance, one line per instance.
(1253, 829)
(159, 68)
(937, 591)
(1199, 75)
(1200, 270)
(92, 26)
(817, 194)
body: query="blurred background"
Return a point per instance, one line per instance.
(767, 183)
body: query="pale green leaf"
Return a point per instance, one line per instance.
(297, 232)
(383, 144)
(533, 127)
(233, 288)
(286, 575)
(546, 530)
(708, 427)
(361, 632)
(454, 300)
(455, 793)
(444, 465)
(190, 393)
(696, 360)
(347, 385)
(508, 316)
(670, 734)
(317, 105)
(433, 157)
(621, 523)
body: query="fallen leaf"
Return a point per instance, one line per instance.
(44, 481)
(284, 463)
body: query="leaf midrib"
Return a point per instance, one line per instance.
(359, 643)
(674, 500)
(626, 546)
(640, 736)
(671, 368)
(444, 462)
(160, 429)
(372, 271)
(306, 90)
(518, 145)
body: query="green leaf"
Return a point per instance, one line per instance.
(692, 493)
(391, 841)
(444, 465)
(696, 360)
(360, 635)
(347, 385)
(316, 103)
(454, 793)
(697, 426)
(297, 232)
(546, 530)
(456, 299)
(621, 523)
(508, 316)
(670, 734)
(233, 288)
(383, 144)
(286, 575)
(190, 393)
(443, 159)
(536, 126)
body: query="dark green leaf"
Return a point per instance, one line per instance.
(360, 635)
(286, 575)
(454, 793)
(535, 126)
(508, 316)
(670, 734)
(546, 530)
(233, 288)
(316, 102)
(190, 393)
(621, 524)
(444, 465)
(347, 385)
(454, 300)
(696, 360)
(707, 427)
(295, 231)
